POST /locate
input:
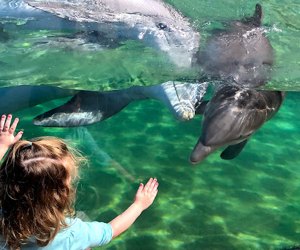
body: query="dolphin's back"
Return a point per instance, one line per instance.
(24, 96)
(241, 53)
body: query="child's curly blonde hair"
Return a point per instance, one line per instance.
(36, 189)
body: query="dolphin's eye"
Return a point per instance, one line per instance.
(161, 26)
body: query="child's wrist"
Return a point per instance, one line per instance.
(4, 146)
(138, 206)
(3, 150)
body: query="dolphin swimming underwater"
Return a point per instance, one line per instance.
(241, 57)
(88, 107)
(155, 23)
(232, 115)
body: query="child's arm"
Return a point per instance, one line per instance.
(143, 199)
(7, 137)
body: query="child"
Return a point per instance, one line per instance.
(37, 196)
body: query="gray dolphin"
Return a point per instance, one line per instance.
(88, 107)
(153, 22)
(241, 57)
(240, 52)
(231, 117)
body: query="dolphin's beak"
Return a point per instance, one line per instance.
(200, 152)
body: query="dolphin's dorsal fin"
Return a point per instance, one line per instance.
(257, 16)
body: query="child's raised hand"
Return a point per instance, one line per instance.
(7, 130)
(146, 193)
(144, 197)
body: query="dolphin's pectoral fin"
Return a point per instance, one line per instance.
(233, 151)
(201, 108)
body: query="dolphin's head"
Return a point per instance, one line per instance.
(232, 116)
(154, 22)
(174, 35)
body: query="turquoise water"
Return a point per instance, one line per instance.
(251, 202)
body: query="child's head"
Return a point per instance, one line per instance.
(36, 189)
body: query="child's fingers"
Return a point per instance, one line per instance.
(7, 123)
(153, 185)
(140, 189)
(14, 126)
(148, 184)
(2, 121)
(154, 193)
(18, 136)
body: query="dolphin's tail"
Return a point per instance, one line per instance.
(233, 151)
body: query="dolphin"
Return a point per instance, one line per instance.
(239, 52)
(153, 22)
(230, 118)
(88, 107)
(241, 57)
